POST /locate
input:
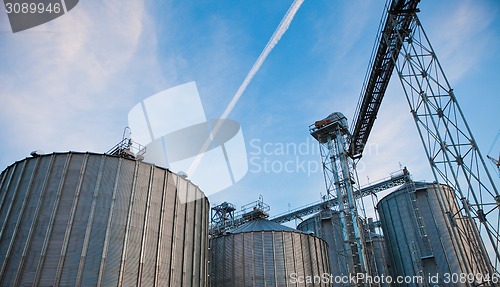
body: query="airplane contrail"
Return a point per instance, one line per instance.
(278, 33)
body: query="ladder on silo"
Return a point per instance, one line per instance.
(425, 250)
(417, 262)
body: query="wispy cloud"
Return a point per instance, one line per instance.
(459, 31)
(63, 80)
(278, 33)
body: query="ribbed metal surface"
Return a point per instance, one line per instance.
(82, 219)
(419, 234)
(267, 258)
(327, 225)
(378, 256)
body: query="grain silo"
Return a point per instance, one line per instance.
(421, 226)
(265, 253)
(378, 255)
(85, 219)
(327, 225)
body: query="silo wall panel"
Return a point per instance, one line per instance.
(188, 241)
(423, 238)
(97, 222)
(83, 198)
(27, 225)
(280, 260)
(153, 210)
(178, 238)
(12, 232)
(43, 225)
(134, 232)
(170, 204)
(399, 233)
(118, 220)
(329, 229)
(266, 258)
(71, 219)
(61, 219)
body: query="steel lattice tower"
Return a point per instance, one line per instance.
(333, 136)
(450, 147)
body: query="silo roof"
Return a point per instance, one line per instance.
(263, 225)
(416, 185)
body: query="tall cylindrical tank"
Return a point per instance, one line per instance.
(377, 255)
(327, 225)
(264, 253)
(71, 219)
(425, 238)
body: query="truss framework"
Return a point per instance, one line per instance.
(451, 149)
(338, 168)
(378, 75)
(396, 179)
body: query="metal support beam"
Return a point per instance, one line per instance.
(449, 144)
(396, 179)
(333, 136)
(379, 72)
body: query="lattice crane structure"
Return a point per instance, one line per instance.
(450, 147)
(332, 134)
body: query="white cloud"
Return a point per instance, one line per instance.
(62, 81)
(69, 83)
(460, 35)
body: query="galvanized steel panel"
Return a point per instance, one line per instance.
(70, 219)
(266, 258)
(327, 225)
(329, 229)
(419, 233)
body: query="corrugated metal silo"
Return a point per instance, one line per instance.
(71, 219)
(264, 253)
(327, 225)
(420, 238)
(378, 255)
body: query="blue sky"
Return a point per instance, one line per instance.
(69, 84)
